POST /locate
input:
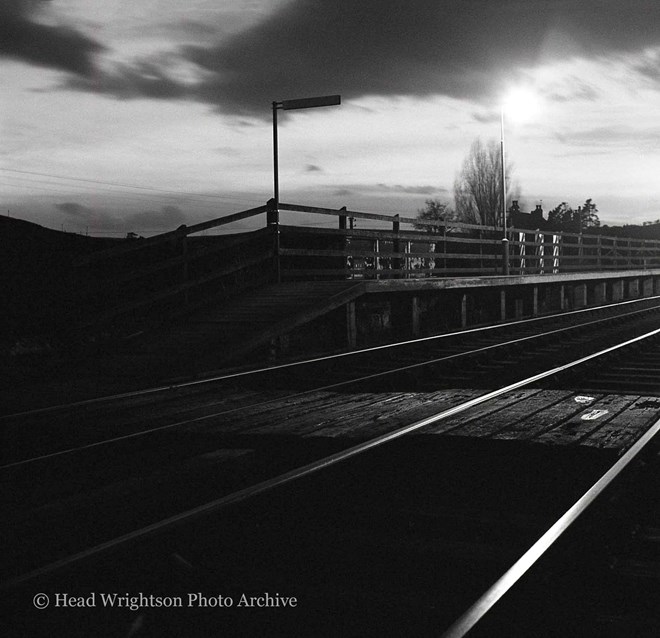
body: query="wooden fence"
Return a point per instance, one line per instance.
(447, 249)
(170, 273)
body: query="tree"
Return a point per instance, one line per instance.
(563, 217)
(434, 211)
(587, 215)
(478, 187)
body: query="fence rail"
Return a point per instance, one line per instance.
(448, 248)
(177, 270)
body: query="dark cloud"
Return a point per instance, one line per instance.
(145, 78)
(459, 48)
(385, 189)
(313, 168)
(412, 190)
(57, 47)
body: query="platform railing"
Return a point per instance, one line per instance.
(166, 275)
(446, 248)
(171, 273)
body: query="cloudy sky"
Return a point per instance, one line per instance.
(140, 115)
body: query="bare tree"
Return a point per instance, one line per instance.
(434, 211)
(478, 187)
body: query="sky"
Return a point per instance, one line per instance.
(137, 116)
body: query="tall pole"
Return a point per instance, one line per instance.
(503, 170)
(276, 179)
(286, 105)
(505, 241)
(272, 218)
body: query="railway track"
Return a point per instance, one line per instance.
(157, 478)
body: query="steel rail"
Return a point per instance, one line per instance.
(487, 601)
(283, 366)
(300, 472)
(332, 386)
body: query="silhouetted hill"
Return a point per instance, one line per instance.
(36, 264)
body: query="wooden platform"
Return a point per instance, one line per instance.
(548, 417)
(222, 334)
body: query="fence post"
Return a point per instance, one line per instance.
(342, 219)
(273, 222)
(505, 256)
(580, 251)
(345, 259)
(407, 261)
(396, 246)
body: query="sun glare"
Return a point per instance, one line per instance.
(521, 105)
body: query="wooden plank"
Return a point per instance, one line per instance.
(492, 424)
(537, 424)
(370, 273)
(295, 422)
(627, 426)
(478, 412)
(418, 237)
(388, 218)
(268, 414)
(393, 412)
(381, 408)
(370, 254)
(434, 403)
(579, 425)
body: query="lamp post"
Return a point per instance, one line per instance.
(521, 104)
(505, 241)
(273, 214)
(287, 105)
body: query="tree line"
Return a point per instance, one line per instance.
(478, 196)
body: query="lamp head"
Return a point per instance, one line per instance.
(521, 105)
